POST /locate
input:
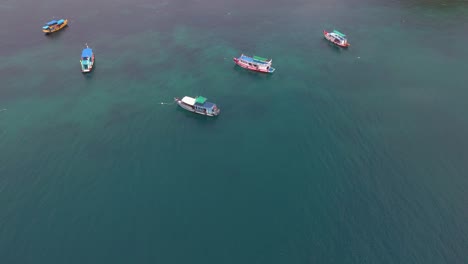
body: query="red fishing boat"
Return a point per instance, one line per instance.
(255, 63)
(336, 38)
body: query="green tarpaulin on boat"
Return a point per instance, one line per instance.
(339, 33)
(200, 100)
(259, 58)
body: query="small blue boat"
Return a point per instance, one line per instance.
(87, 59)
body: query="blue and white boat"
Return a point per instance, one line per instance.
(87, 59)
(198, 105)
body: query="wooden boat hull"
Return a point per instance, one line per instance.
(60, 27)
(252, 68)
(327, 37)
(191, 109)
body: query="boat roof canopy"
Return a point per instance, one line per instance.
(188, 100)
(246, 58)
(200, 100)
(60, 21)
(254, 60)
(260, 59)
(87, 53)
(209, 105)
(339, 33)
(52, 22)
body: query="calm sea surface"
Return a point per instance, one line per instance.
(340, 156)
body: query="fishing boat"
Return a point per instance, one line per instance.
(87, 59)
(255, 63)
(54, 26)
(336, 38)
(198, 105)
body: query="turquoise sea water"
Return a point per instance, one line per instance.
(340, 156)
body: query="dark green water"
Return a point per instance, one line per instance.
(341, 156)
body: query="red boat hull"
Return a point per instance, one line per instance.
(325, 34)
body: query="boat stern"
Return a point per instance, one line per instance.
(85, 66)
(215, 110)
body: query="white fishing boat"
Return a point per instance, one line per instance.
(198, 105)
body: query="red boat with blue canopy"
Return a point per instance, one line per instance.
(255, 63)
(336, 38)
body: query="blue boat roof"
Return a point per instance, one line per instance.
(87, 53)
(246, 58)
(208, 105)
(52, 22)
(252, 60)
(60, 21)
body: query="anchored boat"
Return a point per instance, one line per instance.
(87, 59)
(198, 105)
(54, 26)
(255, 63)
(336, 38)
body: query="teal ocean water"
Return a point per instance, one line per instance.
(340, 156)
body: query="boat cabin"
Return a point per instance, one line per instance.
(339, 37)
